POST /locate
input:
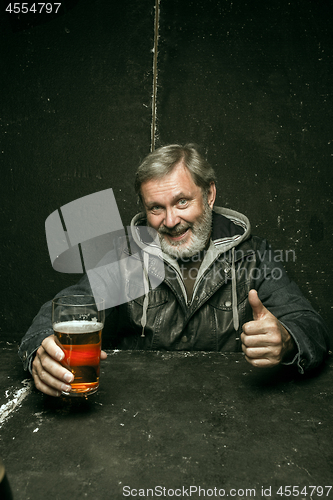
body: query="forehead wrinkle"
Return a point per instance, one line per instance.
(159, 190)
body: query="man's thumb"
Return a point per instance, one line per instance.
(258, 308)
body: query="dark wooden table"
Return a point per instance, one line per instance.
(170, 423)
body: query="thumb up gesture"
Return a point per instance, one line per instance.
(265, 341)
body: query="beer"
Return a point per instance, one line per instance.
(81, 343)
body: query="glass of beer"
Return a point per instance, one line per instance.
(77, 322)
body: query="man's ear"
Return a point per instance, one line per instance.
(211, 196)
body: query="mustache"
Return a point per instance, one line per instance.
(177, 231)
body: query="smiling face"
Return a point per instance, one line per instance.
(177, 209)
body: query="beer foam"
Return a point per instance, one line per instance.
(76, 326)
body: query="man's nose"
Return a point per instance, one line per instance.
(171, 218)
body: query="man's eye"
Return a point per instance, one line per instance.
(182, 202)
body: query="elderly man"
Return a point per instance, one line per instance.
(223, 289)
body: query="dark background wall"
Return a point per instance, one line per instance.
(249, 81)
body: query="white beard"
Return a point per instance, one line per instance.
(200, 232)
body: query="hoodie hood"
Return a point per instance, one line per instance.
(229, 229)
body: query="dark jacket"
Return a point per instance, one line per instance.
(147, 305)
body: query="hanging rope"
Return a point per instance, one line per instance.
(155, 71)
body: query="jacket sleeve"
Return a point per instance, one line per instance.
(284, 300)
(42, 324)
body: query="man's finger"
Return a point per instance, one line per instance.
(257, 339)
(46, 382)
(258, 308)
(52, 348)
(256, 352)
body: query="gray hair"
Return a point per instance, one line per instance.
(160, 162)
